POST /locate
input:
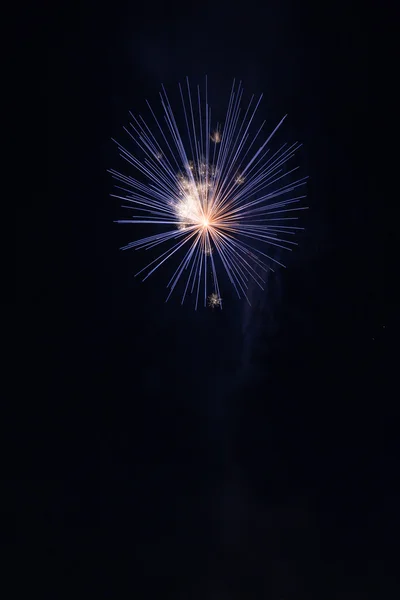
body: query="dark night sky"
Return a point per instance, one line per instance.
(209, 455)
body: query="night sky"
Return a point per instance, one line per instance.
(243, 453)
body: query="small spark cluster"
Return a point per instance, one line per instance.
(217, 193)
(214, 300)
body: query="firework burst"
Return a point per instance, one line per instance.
(220, 195)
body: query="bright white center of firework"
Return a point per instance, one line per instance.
(189, 208)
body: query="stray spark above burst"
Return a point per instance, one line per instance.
(221, 197)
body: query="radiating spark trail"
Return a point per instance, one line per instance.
(216, 188)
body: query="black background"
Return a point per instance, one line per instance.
(234, 454)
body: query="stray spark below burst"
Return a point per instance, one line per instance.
(224, 194)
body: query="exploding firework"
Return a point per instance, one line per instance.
(219, 195)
